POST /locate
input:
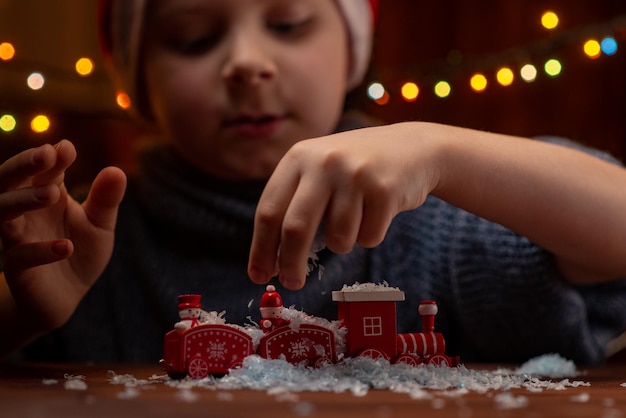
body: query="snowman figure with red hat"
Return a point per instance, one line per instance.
(272, 310)
(189, 310)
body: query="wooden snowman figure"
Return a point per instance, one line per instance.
(272, 310)
(189, 310)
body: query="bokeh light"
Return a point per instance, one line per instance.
(553, 67)
(410, 91)
(478, 82)
(7, 123)
(384, 99)
(528, 73)
(7, 51)
(442, 89)
(592, 48)
(505, 76)
(84, 66)
(35, 81)
(40, 123)
(375, 91)
(122, 100)
(549, 20)
(609, 45)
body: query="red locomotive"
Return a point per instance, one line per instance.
(367, 319)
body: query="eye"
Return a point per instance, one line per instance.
(290, 27)
(194, 46)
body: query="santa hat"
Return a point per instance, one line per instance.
(189, 302)
(120, 21)
(271, 298)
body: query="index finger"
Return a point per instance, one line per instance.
(268, 222)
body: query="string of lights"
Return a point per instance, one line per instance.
(440, 77)
(526, 63)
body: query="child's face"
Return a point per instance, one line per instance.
(235, 83)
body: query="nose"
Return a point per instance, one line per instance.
(249, 61)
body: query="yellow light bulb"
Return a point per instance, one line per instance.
(40, 123)
(84, 66)
(410, 91)
(478, 82)
(592, 48)
(549, 20)
(505, 76)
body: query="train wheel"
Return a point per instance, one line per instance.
(198, 368)
(439, 360)
(373, 353)
(408, 359)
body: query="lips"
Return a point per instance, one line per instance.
(254, 126)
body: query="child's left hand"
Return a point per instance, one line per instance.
(355, 181)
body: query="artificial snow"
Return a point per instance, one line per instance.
(75, 382)
(360, 375)
(551, 365)
(369, 287)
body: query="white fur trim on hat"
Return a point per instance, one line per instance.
(359, 19)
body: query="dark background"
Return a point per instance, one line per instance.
(420, 41)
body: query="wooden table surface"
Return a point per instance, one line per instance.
(37, 390)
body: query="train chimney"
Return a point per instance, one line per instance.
(428, 309)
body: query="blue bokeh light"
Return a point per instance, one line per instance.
(608, 45)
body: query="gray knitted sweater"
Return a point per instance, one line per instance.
(181, 231)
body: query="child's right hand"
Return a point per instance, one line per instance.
(54, 248)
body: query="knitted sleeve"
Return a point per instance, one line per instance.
(504, 280)
(502, 296)
(513, 304)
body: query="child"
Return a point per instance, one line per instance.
(521, 242)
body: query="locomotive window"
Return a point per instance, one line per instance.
(372, 326)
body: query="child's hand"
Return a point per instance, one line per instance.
(53, 247)
(355, 181)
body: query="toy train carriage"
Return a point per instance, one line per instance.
(308, 344)
(370, 317)
(205, 349)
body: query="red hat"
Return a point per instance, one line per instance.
(189, 302)
(271, 298)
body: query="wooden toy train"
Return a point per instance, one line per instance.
(367, 327)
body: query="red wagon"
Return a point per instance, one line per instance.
(308, 344)
(205, 349)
